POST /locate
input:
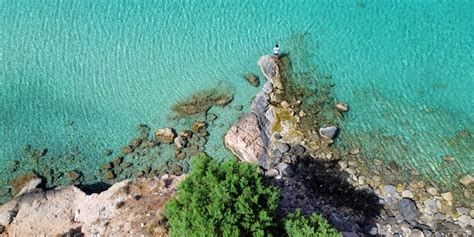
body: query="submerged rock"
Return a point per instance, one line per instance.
(328, 132)
(135, 143)
(342, 107)
(198, 126)
(22, 181)
(252, 79)
(72, 175)
(109, 175)
(186, 134)
(211, 117)
(107, 152)
(117, 161)
(127, 150)
(202, 101)
(106, 166)
(239, 107)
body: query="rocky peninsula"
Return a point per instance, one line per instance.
(312, 175)
(355, 200)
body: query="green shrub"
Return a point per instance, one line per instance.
(297, 225)
(222, 199)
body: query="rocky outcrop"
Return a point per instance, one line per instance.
(269, 122)
(244, 139)
(124, 209)
(165, 135)
(250, 138)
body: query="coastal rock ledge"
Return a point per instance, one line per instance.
(244, 139)
(122, 210)
(250, 138)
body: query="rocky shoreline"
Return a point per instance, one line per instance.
(126, 208)
(312, 174)
(272, 140)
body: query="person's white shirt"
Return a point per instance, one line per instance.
(276, 50)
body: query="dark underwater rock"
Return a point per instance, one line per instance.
(253, 79)
(202, 101)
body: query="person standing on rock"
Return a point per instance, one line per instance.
(276, 51)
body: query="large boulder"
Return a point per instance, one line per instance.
(165, 135)
(244, 139)
(408, 209)
(328, 132)
(268, 66)
(270, 69)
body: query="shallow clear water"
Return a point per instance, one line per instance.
(86, 73)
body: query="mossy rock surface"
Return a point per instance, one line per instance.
(253, 79)
(202, 101)
(19, 181)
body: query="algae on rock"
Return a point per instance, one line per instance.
(202, 101)
(306, 88)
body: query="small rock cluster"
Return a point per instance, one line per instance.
(412, 208)
(186, 143)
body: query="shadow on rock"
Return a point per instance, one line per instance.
(318, 186)
(94, 187)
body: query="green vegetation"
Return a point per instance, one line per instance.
(297, 225)
(230, 199)
(224, 199)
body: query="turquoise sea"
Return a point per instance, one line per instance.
(79, 76)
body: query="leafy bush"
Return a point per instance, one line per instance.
(222, 199)
(297, 225)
